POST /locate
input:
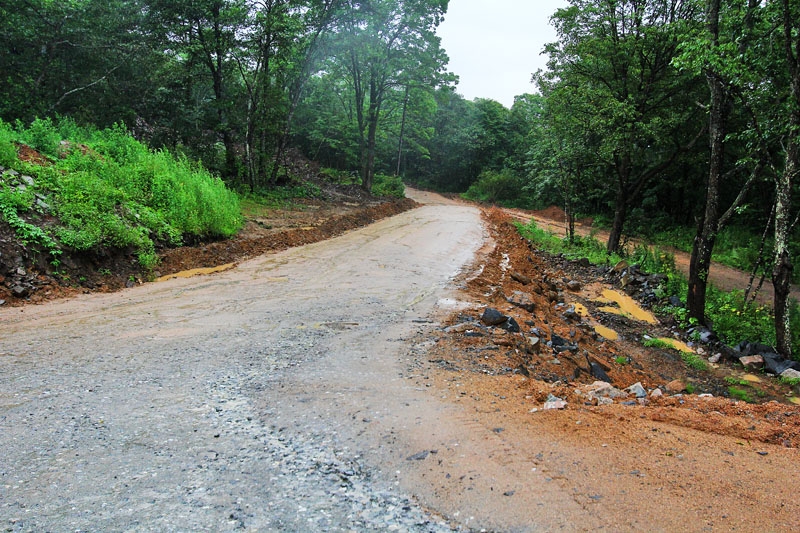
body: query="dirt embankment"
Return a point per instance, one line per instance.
(558, 351)
(26, 276)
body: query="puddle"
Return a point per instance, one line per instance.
(795, 400)
(627, 306)
(675, 343)
(581, 310)
(606, 333)
(197, 272)
(750, 378)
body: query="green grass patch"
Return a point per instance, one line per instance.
(740, 394)
(580, 247)
(107, 189)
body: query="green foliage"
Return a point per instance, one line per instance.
(109, 190)
(388, 186)
(740, 394)
(653, 259)
(737, 381)
(503, 187)
(42, 135)
(694, 361)
(8, 151)
(581, 247)
(280, 197)
(657, 343)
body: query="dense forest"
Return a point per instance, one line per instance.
(652, 116)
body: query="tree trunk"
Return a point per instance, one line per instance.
(620, 214)
(708, 228)
(782, 268)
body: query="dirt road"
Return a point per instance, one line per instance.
(294, 393)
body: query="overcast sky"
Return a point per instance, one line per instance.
(494, 46)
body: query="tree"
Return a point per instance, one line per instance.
(384, 45)
(717, 53)
(614, 59)
(789, 14)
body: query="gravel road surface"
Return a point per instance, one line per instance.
(266, 398)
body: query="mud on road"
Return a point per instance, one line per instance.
(304, 390)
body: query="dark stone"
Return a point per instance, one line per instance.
(20, 291)
(674, 301)
(752, 348)
(418, 456)
(493, 317)
(598, 372)
(570, 315)
(521, 300)
(565, 348)
(510, 325)
(555, 340)
(776, 364)
(704, 335)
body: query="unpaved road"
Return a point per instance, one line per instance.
(294, 394)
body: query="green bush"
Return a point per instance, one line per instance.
(8, 151)
(384, 185)
(503, 187)
(107, 189)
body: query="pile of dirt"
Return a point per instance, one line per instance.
(558, 351)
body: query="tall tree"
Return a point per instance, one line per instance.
(383, 45)
(615, 57)
(784, 184)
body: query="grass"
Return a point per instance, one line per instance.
(108, 190)
(740, 394)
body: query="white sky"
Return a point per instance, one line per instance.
(494, 45)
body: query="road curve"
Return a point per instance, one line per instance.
(232, 401)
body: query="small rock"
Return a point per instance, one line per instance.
(675, 386)
(554, 402)
(603, 389)
(520, 278)
(418, 456)
(19, 291)
(493, 317)
(598, 372)
(570, 315)
(459, 328)
(753, 362)
(510, 325)
(715, 358)
(790, 373)
(574, 286)
(522, 300)
(656, 393)
(622, 265)
(637, 390)
(674, 301)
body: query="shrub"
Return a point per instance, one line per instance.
(384, 185)
(110, 190)
(495, 187)
(8, 152)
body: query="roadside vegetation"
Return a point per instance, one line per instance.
(733, 319)
(102, 188)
